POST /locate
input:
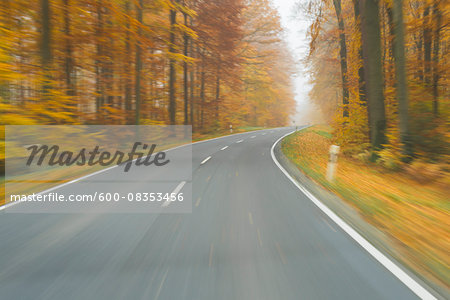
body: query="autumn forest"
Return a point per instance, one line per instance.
(378, 69)
(210, 64)
(379, 75)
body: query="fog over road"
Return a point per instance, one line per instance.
(251, 235)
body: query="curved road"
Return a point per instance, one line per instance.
(251, 235)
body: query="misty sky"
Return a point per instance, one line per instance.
(296, 28)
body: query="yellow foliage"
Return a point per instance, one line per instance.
(412, 211)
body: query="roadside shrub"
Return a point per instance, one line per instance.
(390, 158)
(430, 135)
(364, 156)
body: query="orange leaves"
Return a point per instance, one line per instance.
(411, 211)
(234, 58)
(426, 66)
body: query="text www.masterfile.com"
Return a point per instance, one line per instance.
(100, 197)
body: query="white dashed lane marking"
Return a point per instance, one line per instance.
(175, 191)
(205, 160)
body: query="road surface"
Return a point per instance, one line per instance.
(251, 235)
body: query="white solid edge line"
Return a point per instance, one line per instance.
(380, 257)
(61, 185)
(205, 160)
(2, 207)
(175, 191)
(224, 148)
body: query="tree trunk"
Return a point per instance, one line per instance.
(128, 66)
(45, 49)
(138, 62)
(427, 45)
(437, 17)
(373, 74)
(362, 87)
(185, 73)
(420, 57)
(109, 65)
(343, 56)
(217, 92)
(202, 91)
(151, 110)
(99, 58)
(5, 87)
(198, 76)
(390, 71)
(401, 81)
(191, 79)
(172, 102)
(68, 60)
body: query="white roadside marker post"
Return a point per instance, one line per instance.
(231, 128)
(331, 169)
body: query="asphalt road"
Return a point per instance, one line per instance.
(251, 235)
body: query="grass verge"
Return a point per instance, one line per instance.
(413, 214)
